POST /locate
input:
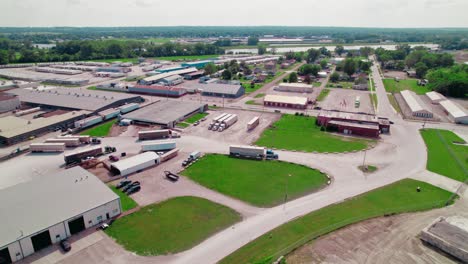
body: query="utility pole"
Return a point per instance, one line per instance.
(364, 160)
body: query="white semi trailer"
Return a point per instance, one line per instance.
(251, 152)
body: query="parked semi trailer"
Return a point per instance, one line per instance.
(154, 134)
(227, 122)
(250, 152)
(253, 123)
(169, 155)
(47, 147)
(77, 156)
(69, 142)
(83, 138)
(158, 146)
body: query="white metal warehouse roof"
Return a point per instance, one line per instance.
(413, 101)
(36, 205)
(435, 96)
(160, 76)
(453, 109)
(128, 163)
(285, 99)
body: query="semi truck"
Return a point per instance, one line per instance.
(47, 147)
(253, 123)
(77, 156)
(251, 152)
(158, 146)
(227, 122)
(192, 157)
(154, 134)
(83, 138)
(214, 125)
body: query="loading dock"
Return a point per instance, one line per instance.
(77, 225)
(5, 256)
(41, 240)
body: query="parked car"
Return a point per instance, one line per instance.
(203, 119)
(126, 188)
(122, 184)
(113, 158)
(134, 189)
(65, 245)
(104, 226)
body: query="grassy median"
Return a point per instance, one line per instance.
(395, 198)
(261, 183)
(301, 133)
(171, 226)
(126, 201)
(101, 130)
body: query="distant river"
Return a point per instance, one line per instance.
(287, 48)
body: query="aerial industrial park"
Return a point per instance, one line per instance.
(233, 145)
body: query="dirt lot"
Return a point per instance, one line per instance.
(382, 240)
(343, 100)
(238, 131)
(393, 74)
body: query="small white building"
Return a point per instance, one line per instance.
(415, 104)
(46, 210)
(435, 97)
(136, 163)
(294, 87)
(455, 112)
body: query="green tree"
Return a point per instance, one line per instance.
(298, 56)
(451, 81)
(366, 51)
(349, 66)
(252, 41)
(307, 79)
(323, 64)
(339, 49)
(210, 68)
(3, 57)
(307, 69)
(312, 55)
(227, 75)
(324, 51)
(421, 69)
(262, 49)
(334, 77)
(293, 77)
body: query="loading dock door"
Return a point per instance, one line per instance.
(76, 225)
(5, 257)
(41, 240)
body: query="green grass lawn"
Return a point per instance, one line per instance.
(125, 200)
(248, 87)
(373, 98)
(317, 84)
(195, 118)
(368, 168)
(344, 85)
(252, 102)
(260, 95)
(171, 226)
(398, 197)
(182, 125)
(393, 86)
(394, 102)
(323, 94)
(261, 183)
(443, 156)
(101, 130)
(301, 133)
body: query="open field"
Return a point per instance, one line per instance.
(171, 226)
(443, 156)
(395, 198)
(126, 202)
(101, 130)
(392, 86)
(261, 183)
(323, 94)
(301, 133)
(195, 118)
(344, 85)
(182, 125)
(394, 102)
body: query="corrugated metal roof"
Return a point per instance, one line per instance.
(33, 206)
(453, 109)
(435, 96)
(413, 101)
(273, 98)
(128, 163)
(220, 88)
(160, 76)
(300, 85)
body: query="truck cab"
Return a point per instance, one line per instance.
(270, 154)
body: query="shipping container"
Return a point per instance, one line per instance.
(77, 156)
(169, 155)
(253, 123)
(47, 147)
(158, 146)
(69, 142)
(154, 134)
(87, 122)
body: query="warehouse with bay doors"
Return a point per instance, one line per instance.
(45, 211)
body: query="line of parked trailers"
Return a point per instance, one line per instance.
(222, 122)
(105, 115)
(157, 134)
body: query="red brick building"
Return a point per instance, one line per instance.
(354, 124)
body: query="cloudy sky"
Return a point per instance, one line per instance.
(354, 13)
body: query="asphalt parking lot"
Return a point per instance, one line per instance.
(343, 100)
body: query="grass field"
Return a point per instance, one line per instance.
(344, 85)
(323, 94)
(195, 118)
(443, 156)
(398, 197)
(260, 95)
(182, 125)
(393, 86)
(394, 102)
(261, 183)
(101, 130)
(126, 202)
(301, 133)
(252, 102)
(373, 98)
(171, 226)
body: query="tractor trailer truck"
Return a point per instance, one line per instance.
(154, 134)
(250, 152)
(47, 147)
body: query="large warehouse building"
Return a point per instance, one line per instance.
(15, 129)
(156, 78)
(166, 113)
(49, 209)
(8, 102)
(354, 124)
(295, 102)
(158, 90)
(294, 87)
(455, 112)
(415, 104)
(435, 97)
(75, 99)
(217, 89)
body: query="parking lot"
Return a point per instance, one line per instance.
(237, 133)
(343, 100)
